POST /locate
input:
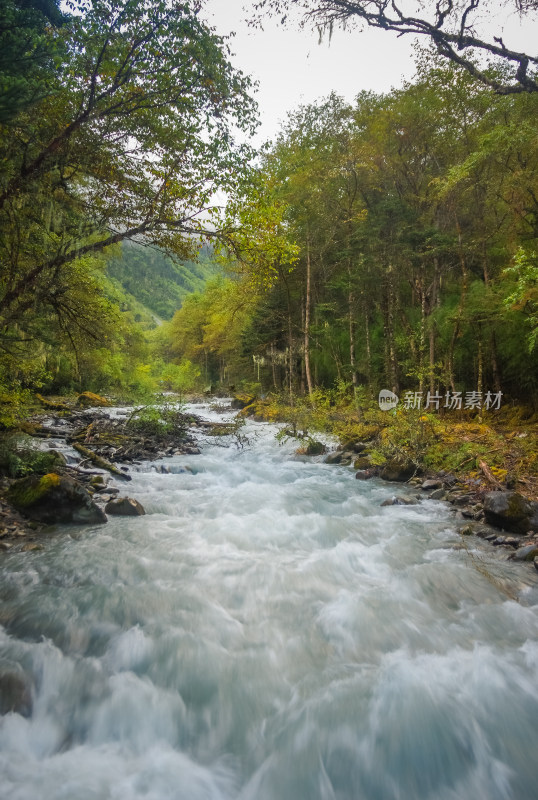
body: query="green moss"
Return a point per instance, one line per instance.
(29, 491)
(87, 399)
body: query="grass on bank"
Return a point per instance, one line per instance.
(505, 442)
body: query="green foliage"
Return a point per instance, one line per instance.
(180, 378)
(524, 296)
(17, 459)
(158, 419)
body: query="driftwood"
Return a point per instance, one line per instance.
(42, 432)
(99, 461)
(489, 475)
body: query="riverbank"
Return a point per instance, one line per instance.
(487, 468)
(103, 444)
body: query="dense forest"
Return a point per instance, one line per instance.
(388, 243)
(404, 235)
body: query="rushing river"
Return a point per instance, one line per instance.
(268, 632)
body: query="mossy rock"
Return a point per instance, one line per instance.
(242, 400)
(362, 462)
(315, 448)
(510, 511)
(90, 400)
(394, 470)
(54, 499)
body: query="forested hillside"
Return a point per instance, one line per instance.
(157, 282)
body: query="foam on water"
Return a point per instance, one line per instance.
(268, 632)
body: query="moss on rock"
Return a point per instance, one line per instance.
(89, 399)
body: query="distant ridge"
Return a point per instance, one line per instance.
(158, 283)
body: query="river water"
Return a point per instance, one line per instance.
(268, 632)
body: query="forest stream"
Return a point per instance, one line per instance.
(268, 631)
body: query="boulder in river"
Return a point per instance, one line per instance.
(15, 692)
(242, 400)
(315, 448)
(511, 511)
(400, 471)
(124, 507)
(399, 501)
(54, 499)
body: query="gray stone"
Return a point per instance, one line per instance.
(510, 511)
(364, 474)
(124, 507)
(15, 693)
(439, 494)
(334, 458)
(463, 499)
(536, 563)
(431, 484)
(528, 553)
(399, 501)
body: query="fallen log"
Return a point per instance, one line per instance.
(100, 462)
(489, 475)
(54, 406)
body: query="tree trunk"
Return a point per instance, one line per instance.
(308, 301)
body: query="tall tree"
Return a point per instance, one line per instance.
(135, 141)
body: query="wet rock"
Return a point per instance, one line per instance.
(124, 507)
(513, 541)
(527, 553)
(536, 563)
(334, 458)
(27, 548)
(398, 470)
(54, 499)
(438, 494)
(510, 511)
(462, 499)
(399, 501)
(364, 474)
(483, 533)
(467, 530)
(362, 462)
(315, 448)
(15, 693)
(468, 512)
(431, 483)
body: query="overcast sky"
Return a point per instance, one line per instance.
(293, 68)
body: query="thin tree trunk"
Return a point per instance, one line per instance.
(459, 316)
(308, 301)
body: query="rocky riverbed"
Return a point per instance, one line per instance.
(108, 442)
(91, 451)
(503, 517)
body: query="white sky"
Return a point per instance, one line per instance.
(292, 68)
